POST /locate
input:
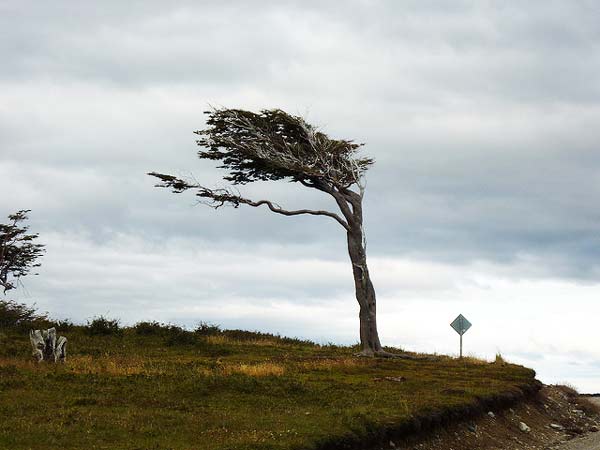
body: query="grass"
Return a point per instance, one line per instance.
(161, 387)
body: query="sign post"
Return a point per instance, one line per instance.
(461, 325)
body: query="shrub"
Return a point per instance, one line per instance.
(179, 336)
(101, 326)
(19, 315)
(150, 328)
(568, 389)
(207, 329)
(243, 335)
(296, 341)
(63, 325)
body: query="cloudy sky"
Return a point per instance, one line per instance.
(483, 118)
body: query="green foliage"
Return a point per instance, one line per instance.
(273, 145)
(244, 335)
(207, 329)
(101, 326)
(178, 336)
(18, 253)
(149, 328)
(268, 146)
(19, 315)
(63, 325)
(175, 335)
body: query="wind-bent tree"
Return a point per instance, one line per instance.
(18, 252)
(273, 145)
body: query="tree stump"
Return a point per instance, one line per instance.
(46, 347)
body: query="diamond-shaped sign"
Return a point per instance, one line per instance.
(461, 324)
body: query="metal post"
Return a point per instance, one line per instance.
(461, 325)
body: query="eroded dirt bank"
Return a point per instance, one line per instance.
(556, 418)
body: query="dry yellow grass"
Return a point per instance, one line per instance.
(221, 339)
(19, 363)
(218, 339)
(471, 359)
(118, 366)
(113, 365)
(329, 364)
(255, 370)
(262, 369)
(88, 364)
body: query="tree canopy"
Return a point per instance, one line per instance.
(18, 252)
(273, 145)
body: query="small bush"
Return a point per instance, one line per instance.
(150, 328)
(207, 329)
(63, 325)
(19, 315)
(253, 336)
(243, 335)
(568, 390)
(101, 326)
(179, 336)
(295, 341)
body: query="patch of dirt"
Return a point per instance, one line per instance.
(544, 422)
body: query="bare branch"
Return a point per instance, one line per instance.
(277, 209)
(215, 198)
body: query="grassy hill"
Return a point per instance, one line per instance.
(161, 387)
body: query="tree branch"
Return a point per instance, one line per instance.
(215, 198)
(339, 198)
(277, 209)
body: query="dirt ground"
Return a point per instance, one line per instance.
(556, 419)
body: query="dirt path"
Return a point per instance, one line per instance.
(591, 442)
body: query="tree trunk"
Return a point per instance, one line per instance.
(46, 346)
(365, 292)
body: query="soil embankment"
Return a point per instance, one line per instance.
(555, 419)
(589, 442)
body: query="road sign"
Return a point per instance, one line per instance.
(461, 325)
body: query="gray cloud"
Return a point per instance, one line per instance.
(477, 115)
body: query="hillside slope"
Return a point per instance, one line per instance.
(166, 388)
(556, 418)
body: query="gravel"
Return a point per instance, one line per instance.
(589, 442)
